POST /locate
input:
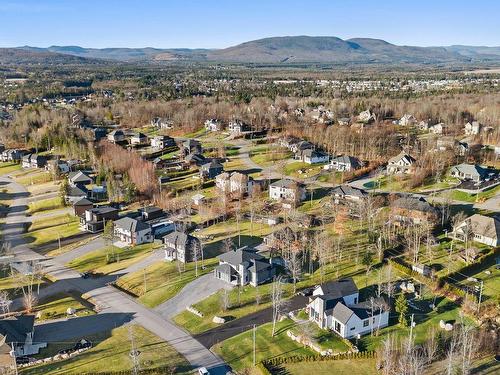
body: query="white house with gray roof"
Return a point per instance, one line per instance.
(479, 228)
(344, 163)
(287, 190)
(335, 306)
(401, 163)
(180, 246)
(244, 266)
(132, 231)
(472, 172)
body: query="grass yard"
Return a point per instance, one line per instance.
(110, 259)
(163, 281)
(237, 351)
(340, 367)
(267, 155)
(12, 283)
(34, 177)
(45, 205)
(9, 167)
(57, 305)
(299, 169)
(46, 230)
(471, 198)
(325, 339)
(111, 354)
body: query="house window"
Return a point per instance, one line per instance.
(373, 320)
(355, 300)
(337, 327)
(366, 322)
(353, 328)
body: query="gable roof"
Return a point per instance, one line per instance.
(346, 159)
(236, 257)
(78, 176)
(16, 328)
(83, 202)
(284, 183)
(415, 204)
(407, 158)
(76, 192)
(344, 190)
(178, 238)
(486, 226)
(471, 169)
(132, 225)
(342, 313)
(339, 288)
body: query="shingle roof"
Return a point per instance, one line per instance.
(132, 225)
(339, 288)
(236, 257)
(402, 156)
(76, 192)
(415, 204)
(342, 313)
(349, 160)
(258, 266)
(343, 190)
(82, 202)
(16, 328)
(484, 225)
(78, 176)
(284, 183)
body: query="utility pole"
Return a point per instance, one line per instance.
(254, 359)
(480, 296)
(134, 353)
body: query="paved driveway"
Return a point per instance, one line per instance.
(196, 291)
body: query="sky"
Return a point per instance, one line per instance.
(223, 23)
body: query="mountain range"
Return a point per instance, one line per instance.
(275, 50)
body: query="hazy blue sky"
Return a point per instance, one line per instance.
(222, 23)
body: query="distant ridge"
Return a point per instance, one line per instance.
(281, 50)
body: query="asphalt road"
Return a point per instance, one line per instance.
(115, 308)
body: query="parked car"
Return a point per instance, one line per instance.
(203, 371)
(23, 360)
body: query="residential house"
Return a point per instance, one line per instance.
(234, 182)
(191, 146)
(238, 127)
(96, 218)
(162, 141)
(412, 210)
(138, 139)
(38, 161)
(300, 146)
(116, 136)
(311, 156)
(344, 163)
(162, 123)
(195, 159)
(198, 199)
(18, 333)
(439, 128)
(402, 163)
(347, 193)
(244, 266)
(335, 306)
(99, 133)
(473, 172)
(79, 178)
(472, 128)
(82, 205)
(76, 193)
(423, 125)
(26, 161)
(446, 143)
(13, 155)
(132, 231)
(366, 117)
(479, 228)
(210, 170)
(323, 116)
(213, 125)
(180, 246)
(287, 190)
(288, 142)
(151, 213)
(407, 120)
(344, 121)
(58, 166)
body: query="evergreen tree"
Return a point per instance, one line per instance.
(402, 309)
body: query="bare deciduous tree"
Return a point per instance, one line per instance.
(277, 301)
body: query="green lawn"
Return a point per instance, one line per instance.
(45, 205)
(12, 283)
(57, 305)
(325, 339)
(34, 177)
(110, 259)
(471, 198)
(237, 351)
(47, 230)
(340, 367)
(163, 280)
(266, 155)
(299, 169)
(111, 354)
(9, 167)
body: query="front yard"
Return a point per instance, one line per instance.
(44, 205)
(46, 230)
(111, 258)
(111, 353)
(57, 306)
(162, 281)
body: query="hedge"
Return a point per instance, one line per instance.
(277, 361)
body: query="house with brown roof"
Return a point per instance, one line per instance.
(479, 228)
(410, 210)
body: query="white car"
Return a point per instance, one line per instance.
(203, 371)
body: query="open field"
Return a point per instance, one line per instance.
(45, 205)
(46, 230)
(9, 167)
(111, 258)
(237, 351)
(111, 353)
(267, 155)
(163, 280)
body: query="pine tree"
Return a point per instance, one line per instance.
(402, 309)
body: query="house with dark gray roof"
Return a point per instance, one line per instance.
(132, 231)
(180, 246)
(18, 332)
(413, 210)
(76, 193)
(244, 266)
(344, 163)
(335, 306)
(211, 170)
(79, 178)
(347, 193)
(310, 156)
(96, 218)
